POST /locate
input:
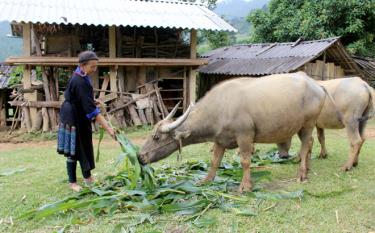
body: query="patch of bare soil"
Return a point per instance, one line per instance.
(8, 146)
(15, 141)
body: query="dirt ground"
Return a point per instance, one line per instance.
(16, 141)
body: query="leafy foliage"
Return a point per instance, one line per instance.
(287, 20)
(168, 190)
(219, 39)
(15, 76)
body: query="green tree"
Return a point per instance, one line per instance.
(287, 20)
(219, 39)
(215, 39)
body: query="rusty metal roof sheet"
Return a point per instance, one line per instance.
(263, 59)
(163, 14)
(367, 65)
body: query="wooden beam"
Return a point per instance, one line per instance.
(113, 78)
(108, 97)
(133, 101)
(121, 79)
(26, 76)
(95, 79)
(26, 34)
(141, 76)
(185, 89)
(37, 104)
(105, 61)
(192, 73)
(104, 86)
(112, 41)
(193, 44)
(118, 42)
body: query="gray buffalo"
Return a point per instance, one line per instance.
(239, 113)
(354, 98)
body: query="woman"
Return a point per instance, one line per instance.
(76, 114)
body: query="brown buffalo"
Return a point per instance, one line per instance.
(354, 98)
(239, 113)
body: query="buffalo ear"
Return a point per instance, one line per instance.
(181, 135)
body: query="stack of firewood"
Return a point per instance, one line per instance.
(128, 109)
(139, 109)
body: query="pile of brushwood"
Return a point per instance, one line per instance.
(140, 189)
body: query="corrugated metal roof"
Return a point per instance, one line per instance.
(263, 59)
(165, 14)
(367, 65)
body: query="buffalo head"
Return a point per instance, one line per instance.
(165, 138)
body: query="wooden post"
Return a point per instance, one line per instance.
(186, 91)
(118, 42)
(26, 32)
(141, 76)
(319, 69)
(104, 86)
(134, 116)
(26, 78)
(192, 72)
(112, 54)
(121, 79)
(49, 86)
(26, 114)
(330, 70)
(95, 80)
(131, 78)
(38, 121)
(45, 120)
(113, 78)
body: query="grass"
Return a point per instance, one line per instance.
(350, 207)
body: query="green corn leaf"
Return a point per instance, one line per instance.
(101, 136)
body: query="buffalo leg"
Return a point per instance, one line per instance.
(218, 153)
(283, 148)
(352, 129)
(362, 126)
(246, 146)
(305, 135)
(321, 137)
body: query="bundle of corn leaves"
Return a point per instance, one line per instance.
(167, 190)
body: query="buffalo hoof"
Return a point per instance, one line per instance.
(302, 176)
(323, 156)
(355, 164)
(347, 167)
(284, 156)
(245, 187)
(205, 180)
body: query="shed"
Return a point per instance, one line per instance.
(321, 59)
(138, 42)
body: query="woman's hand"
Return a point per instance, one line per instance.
(111, 132)
(100, 119)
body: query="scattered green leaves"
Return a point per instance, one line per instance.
(167, 190)
(101, 136)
